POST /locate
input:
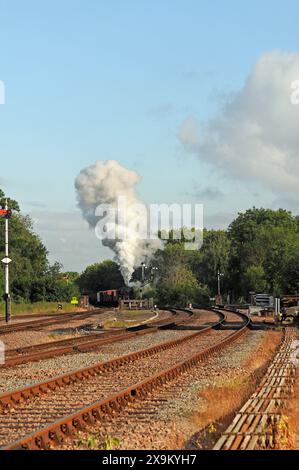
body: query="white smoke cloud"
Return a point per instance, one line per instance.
(255, 137)
(103, 183)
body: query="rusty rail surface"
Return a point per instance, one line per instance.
(85, 343)
(56, 432)
(15, 396)
(256, 424)
(39, 315)
(57, 319)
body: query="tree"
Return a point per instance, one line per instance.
(180, 287)
(255, 279)
(31, 276)
(100, 276)
(258, 252)
(203, 263)
(172, 257)
(211, 258)
(291, 273)
(29, 256)
(12, 204)
(264, 238)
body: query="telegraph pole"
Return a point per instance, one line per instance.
(6, 260)
(142, 272)
(218, 277)
(142, 279)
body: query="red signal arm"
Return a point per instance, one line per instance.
(5, 213)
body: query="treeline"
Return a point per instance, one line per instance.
(258, 252)
(32, 277)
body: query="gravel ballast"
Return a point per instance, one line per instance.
(25, 374)
(162, 421)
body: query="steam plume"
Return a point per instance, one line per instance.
(103, 183)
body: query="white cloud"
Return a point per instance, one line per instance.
(255, 137)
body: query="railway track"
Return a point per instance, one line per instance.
(44, 415)
(256, 424)
(36, 316)
(54, 320)
(85, 343)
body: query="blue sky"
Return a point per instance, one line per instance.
(95, 80)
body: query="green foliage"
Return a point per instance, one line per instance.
(52, 286)
(32, 279)
(148, 292)
(213, 256)
(267, 240)
(180, 287)
(96, 442)
(255, 279)
(100, 276)
(190, 276)
(109, 443)
(259, 252)
(12, 204)
(37, 307)
(291, 272)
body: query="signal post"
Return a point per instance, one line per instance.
(6, 214)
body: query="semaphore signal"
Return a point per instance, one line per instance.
(6, 214)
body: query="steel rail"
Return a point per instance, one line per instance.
(36, 316)
(256, 424)
(57, 432)
(48, 321)
(78, 339)
(57, 319)
(84, 343)
(82, 338)
(25, 393)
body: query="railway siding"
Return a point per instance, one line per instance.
(47, 321)
(89, 342)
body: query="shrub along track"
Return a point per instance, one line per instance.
(42, 415)
(85, 342)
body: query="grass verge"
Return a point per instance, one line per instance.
(37, 307)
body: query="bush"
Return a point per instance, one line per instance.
(180, 289)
